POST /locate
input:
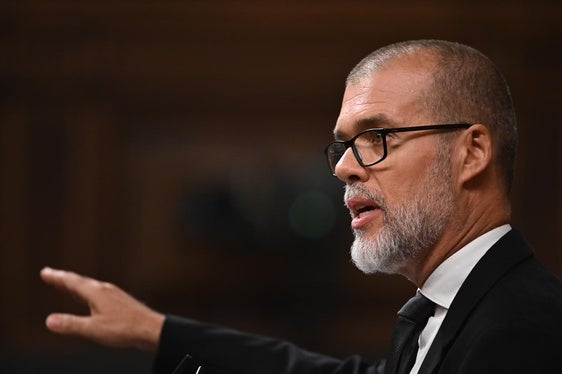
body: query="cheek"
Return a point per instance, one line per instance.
(396, 188)
(405, 175)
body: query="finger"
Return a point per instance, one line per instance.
(78, 285)
(67, 324)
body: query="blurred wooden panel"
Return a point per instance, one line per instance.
(14, 223)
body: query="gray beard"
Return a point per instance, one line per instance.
(410, 228)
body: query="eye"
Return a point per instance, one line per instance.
(373, 137)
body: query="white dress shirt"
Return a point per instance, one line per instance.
(442, 285)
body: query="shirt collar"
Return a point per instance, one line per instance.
(443, 284)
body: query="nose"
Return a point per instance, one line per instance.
(349, 170)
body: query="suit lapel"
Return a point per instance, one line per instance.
(502, 256)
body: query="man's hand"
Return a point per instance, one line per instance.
(116, 319)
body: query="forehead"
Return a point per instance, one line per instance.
(388, 97)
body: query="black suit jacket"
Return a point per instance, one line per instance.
(506, 318)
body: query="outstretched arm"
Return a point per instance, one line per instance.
(116, 319)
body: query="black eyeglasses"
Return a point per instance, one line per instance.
(369, 146)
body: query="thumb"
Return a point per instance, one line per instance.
(67, 324)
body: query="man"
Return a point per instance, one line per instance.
(425, 143)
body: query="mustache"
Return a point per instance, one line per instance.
(358, 191)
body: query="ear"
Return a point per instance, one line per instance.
(477, 153)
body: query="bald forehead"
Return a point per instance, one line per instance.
(410, 74)
(390, 96)
(417, 59)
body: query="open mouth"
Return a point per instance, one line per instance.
(365, 209)
(358, 207)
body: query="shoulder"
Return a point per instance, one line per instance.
(515, 328)
(511, 282)
(505, 349)
(506, 316)
(526, 296)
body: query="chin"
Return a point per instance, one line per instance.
(369, 257)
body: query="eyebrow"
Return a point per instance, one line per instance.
(376, 121)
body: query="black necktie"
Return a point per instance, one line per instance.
(404, 345)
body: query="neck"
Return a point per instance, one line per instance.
(465, 226)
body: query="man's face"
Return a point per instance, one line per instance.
(400, 206)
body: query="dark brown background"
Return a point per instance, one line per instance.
(171, 146)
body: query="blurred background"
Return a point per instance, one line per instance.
(175, 149)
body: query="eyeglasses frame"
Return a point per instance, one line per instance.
(383, 131)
